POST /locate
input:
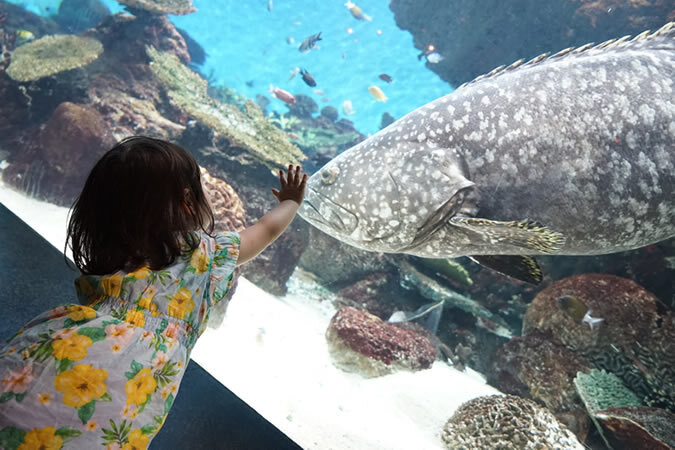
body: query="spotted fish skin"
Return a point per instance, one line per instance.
(581, 143)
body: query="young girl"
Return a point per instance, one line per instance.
(106, 372)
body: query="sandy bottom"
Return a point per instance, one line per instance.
(271, 352)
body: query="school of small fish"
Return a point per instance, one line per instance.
(310, 43)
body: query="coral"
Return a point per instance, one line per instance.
(76, 16)
(125, 38)
(56, 161)
(636, 341)
(505, 422)
(249, 130)
(428, 287)
(638, 427)
(52, 54)
(448, 269)
(534, 367)
(361, 342)
(304, 106)
(7, 42)
(321, 139)
(223, 94)
(228, 212)
(177, 7)
(602, 390)
(330, 113)
(285, 122)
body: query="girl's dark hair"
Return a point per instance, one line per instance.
(141, 204)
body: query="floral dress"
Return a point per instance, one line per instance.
(105, 375)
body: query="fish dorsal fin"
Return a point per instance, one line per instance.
(667, 30)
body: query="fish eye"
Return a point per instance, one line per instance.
(328, 176)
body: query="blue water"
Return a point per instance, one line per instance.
(247, 43)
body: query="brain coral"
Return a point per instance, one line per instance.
(52, 54)
(505, 422)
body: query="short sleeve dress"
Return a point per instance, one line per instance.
(104, 373)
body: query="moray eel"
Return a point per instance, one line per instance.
(568, 154)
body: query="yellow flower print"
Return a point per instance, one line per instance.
(92, 426)
(11, 350)
(179, 364)
(140, 386)
(181, 304)
(200, 261)
(140, 273)
(136, 317)
(147, 303)
(44, 438)
(74, 348)
(116, 348)
(79, 312)
(82, 384)
(137, 440)
(112, 285)
(45, 398)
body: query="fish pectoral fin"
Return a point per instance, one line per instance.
(523, 268)
(526, 234)
(438, 219)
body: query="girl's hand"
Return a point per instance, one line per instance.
(292, 186)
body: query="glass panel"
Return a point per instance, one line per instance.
(490, 210)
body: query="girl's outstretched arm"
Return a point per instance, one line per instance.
(258, 236)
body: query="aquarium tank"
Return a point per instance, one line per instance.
(485, 254)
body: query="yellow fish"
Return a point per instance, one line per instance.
(356, 12)
(377, 93)
(23, 36)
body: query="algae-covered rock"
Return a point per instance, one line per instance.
(249, 130)
(52, 54)
(363, 343)
(505, 422)
(177, 7)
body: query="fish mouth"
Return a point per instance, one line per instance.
(334, 217)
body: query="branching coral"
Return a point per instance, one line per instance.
(51, 55)
(248, 129)
(177, 7)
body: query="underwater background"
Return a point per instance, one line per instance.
(588, 354)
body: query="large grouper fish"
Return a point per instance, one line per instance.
(569, 154)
